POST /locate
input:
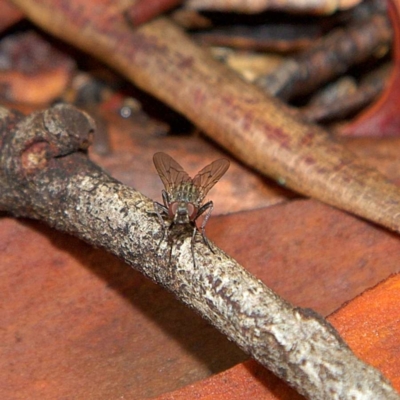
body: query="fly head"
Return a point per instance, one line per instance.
(182, 212)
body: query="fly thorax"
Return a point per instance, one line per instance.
(187, 192)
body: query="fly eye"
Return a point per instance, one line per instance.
(173, 207)
(191, 210)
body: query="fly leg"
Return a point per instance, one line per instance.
(207, 209)
(192, 244)
(160, 210)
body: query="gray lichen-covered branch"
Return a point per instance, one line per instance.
(45, 174)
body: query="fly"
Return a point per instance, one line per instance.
(183, 196)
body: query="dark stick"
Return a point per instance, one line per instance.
(45, 174)
(331, 56)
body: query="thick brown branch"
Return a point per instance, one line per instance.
(45, 174)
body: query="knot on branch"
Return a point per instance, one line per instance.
(39, 154)
(53, 133)
(71, 128)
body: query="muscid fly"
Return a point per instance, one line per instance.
(183, 196)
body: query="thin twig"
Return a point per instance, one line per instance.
(330, 57)
(45, 174)
(345, 101)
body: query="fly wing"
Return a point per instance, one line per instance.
(210, 175)
(170, 172)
